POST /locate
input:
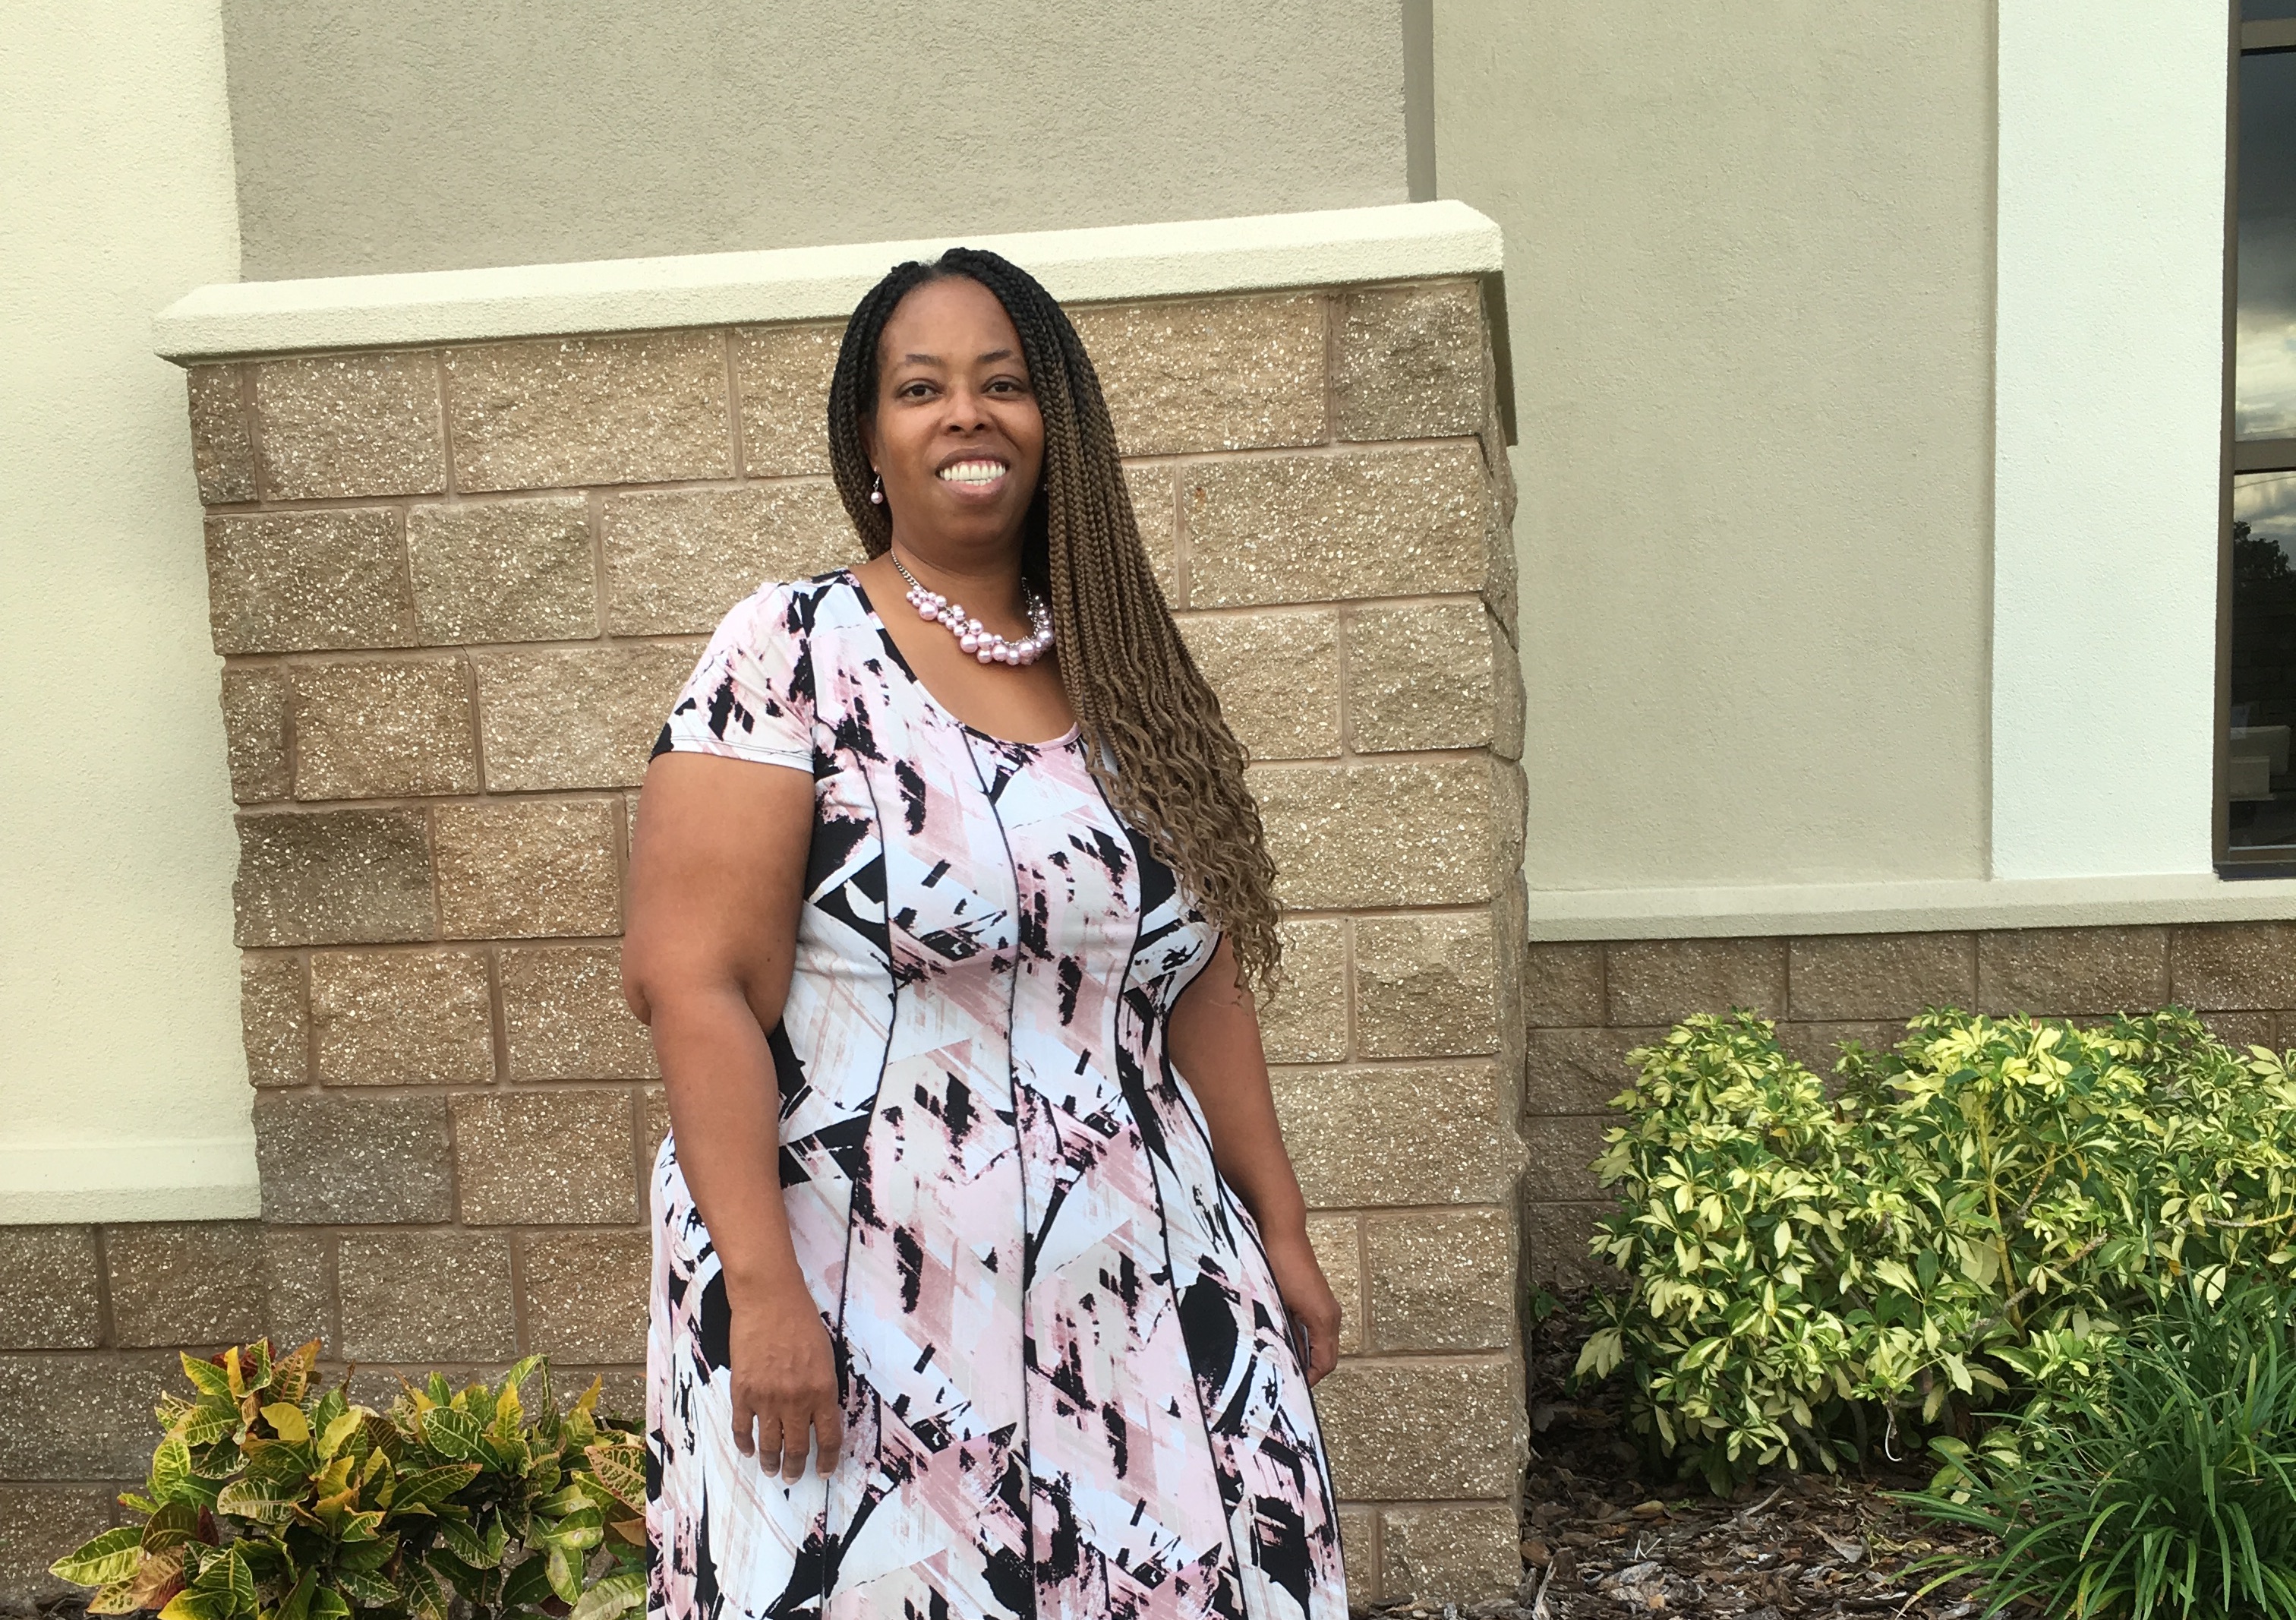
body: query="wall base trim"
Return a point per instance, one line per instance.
(1919, 906)
(54, 1183)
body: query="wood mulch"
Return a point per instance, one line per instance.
(1604, 1534)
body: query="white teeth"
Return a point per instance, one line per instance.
(972, 472)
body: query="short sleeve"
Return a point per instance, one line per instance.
(751, 695)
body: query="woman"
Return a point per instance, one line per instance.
(992, 1320)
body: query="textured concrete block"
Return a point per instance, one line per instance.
(2241, 1031)
(51, 1278)
(1414, 362)
(40, 1523)
(1882, 975)
(1563, 984)
(781, 376)
(654, 1120)
(223, 456)
(1665, 980)
(402, 1017)
(1555, 1238)
(1580, 1071)
(255, 732)
(1307, 1021)
(565, 1018)
(307, 582)
(298, 1288)
(274, 1020)
(1390, 833)
(1359, 1552)
(503, 571)
(350, 424)
(677, 559)
(427, 1297)
(1425, 676)
(1442, 1279)
(376, 1161)
(1561, 1149)
(1156, 513)
(81, 1417)
(1277, 677)
(525, 869)
(1817, 1046)
(582, 717)
(2058, 972)
(1211, 373)
(608, 410)
(1463, 1436)
(2224, 966)
(545, 1158)
(1427, 986)
(1315, 528)
(383, 728)
(586, 1295)
(185, 1283)
(333, 877)
(1433, 1135)
(1461, 1555)
(1339, 1251)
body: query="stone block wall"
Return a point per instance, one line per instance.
(1587, 1004)
(455, 590)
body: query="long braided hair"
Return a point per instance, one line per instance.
(1178, 771)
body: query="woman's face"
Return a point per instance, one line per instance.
(956, 436)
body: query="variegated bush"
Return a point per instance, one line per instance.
(271, 1498)
(1957, 1235)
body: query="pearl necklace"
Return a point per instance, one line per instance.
(983, 643)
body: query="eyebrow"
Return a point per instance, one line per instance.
(934, 360)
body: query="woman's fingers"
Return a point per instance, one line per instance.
(828, 1434)
(772, 1441)
(745, 1421)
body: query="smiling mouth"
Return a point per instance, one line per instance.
(972, 474)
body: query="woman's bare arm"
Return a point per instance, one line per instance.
(1214, 1041)
(717, 875)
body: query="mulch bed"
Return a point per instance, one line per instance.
(1606, 1535)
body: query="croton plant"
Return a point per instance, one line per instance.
(273, 1499)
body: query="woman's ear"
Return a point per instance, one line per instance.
(868, 426)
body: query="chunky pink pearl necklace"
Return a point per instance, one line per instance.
(983, 643)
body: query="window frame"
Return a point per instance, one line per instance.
(2263, 38)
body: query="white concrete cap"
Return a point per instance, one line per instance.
(1400, 242)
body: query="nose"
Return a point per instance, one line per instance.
(967, 409)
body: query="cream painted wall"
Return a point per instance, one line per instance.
(123, 1093)
(1750, 255)
(2110, 457)
(446, 134)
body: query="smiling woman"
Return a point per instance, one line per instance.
(1019, 1264)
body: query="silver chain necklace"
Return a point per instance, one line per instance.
(971, 635)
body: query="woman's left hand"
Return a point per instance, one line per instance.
(1315, 1309)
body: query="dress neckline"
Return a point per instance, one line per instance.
(861, 592)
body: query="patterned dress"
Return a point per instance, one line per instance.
(1067, 1383)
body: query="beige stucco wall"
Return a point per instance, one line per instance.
(1750, 262)
(427, 135)
(122, 1078)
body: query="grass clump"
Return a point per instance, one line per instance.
(2166, 1488)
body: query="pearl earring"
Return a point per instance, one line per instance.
(877, 491)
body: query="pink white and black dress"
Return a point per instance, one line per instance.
(1067, 1382)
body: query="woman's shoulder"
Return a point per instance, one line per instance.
(791, 614)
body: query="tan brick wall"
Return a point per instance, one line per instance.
(454, 590)
(1587, 1004)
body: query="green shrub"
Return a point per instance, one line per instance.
(1958, 1233)
(270, 1498)
(2170, 1491)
